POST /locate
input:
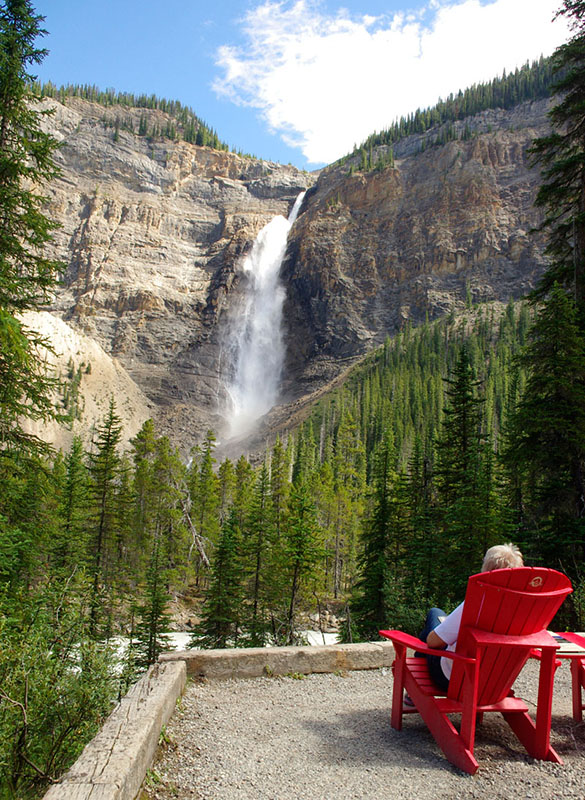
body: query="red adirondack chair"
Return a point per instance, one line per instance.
(505, 616)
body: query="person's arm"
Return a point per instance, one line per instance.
(435, 641)
(446, 633)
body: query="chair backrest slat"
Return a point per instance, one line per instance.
(512, 602)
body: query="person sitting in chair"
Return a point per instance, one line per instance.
(441, 635)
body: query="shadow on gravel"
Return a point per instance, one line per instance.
(568, 737)
(367, 739)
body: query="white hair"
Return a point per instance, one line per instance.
(501, 556)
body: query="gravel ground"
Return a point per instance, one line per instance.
(329, 736)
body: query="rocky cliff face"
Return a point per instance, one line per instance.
(375, 249)
(152, 232)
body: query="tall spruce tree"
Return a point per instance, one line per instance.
(547, 433)
(153, 620)
(204, 490)
(222, 607)
(301, 548)
(349, 470)
(257, 540)
(562, 157)
(369, 611)
(55, 682)
(204, 486)
(547, 442)
(27, 276)
(459, 465)
(423, 542)
(104, 470)
(70, 545)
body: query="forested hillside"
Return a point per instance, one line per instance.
(182, 122)
(382, 503)
(530, 82)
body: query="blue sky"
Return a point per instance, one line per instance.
(294, 80)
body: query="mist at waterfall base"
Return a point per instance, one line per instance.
(254, 344)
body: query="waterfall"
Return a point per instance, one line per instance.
(255, 335)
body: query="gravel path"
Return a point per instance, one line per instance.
(328, 737)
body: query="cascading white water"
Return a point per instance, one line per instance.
(256, 333)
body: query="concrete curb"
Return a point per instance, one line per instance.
(256, 661)
(113, 765)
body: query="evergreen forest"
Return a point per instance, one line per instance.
(182, 124)
(378, 506)
(528, 83)
(461, 433)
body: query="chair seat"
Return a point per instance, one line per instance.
(419, 669)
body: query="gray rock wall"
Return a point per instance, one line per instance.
(152, 232)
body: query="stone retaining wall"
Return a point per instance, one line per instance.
(114, 763)
(252, 662)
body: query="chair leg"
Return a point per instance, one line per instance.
(536, 736)
(469, 712)
(398, 687)
(442, 729)
(525, 730)
(544, 703)
(577, 682)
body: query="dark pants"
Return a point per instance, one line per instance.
(434, 662)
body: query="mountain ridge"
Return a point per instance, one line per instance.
(153, 231)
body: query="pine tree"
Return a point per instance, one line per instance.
(244, 488)
(547, 446)
(562, 156)
(327, 507)
(27, 276)
(227, 484)
(349, 468)
(144, 448)
(104, 470)
(167, 501)
(278, 509)
(301, 548)
(70, 548)
(222, 606)
(279, 486)
(423, 543)
(204, 493)
(257, 539)
(124, 529)
(305, 455)
(368, 604)
(151, 639)
(459, 464)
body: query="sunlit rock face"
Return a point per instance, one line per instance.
(154, 235)
(372, 250)
(151, 234)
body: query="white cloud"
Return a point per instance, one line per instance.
(326, 82)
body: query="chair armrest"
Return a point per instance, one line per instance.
(574, 638)
(404, 638)
(540, 639)
(418, 645)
